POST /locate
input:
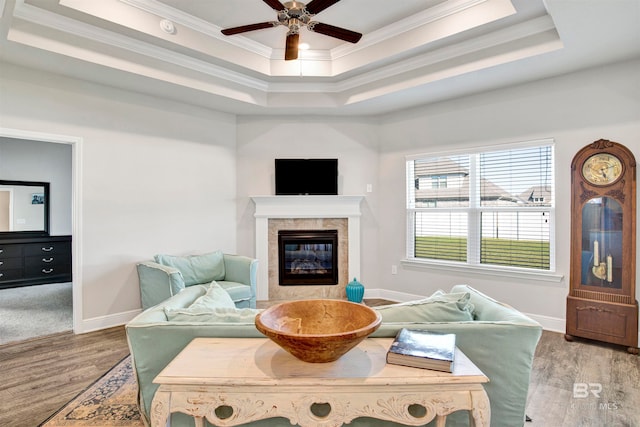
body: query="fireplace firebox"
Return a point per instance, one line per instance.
(308, 257)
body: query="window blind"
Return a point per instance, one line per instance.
(491, 207)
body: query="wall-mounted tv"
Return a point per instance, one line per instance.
(306, 176)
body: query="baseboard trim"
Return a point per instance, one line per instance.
(553, 324)
(391, 295)
(104, 322)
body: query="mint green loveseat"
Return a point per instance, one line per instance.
(500, 340)
(168, 275)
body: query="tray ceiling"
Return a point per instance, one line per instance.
(412, 52)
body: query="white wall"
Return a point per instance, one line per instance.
(24, 160)
(354, 141)
(156, 177)
(575, 110)
(162, 177)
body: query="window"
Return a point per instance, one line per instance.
(493, 207)
(439, 181)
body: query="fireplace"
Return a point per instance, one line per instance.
(275, 213)
(307, 257)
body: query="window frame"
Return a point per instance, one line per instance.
(474, 210)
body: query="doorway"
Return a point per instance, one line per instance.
(17, 147)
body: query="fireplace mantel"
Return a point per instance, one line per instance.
(268, 207)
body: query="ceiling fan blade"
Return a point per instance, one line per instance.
(317, 6)
(275, 4)
(250, 27)
(337, 32)
(291, 49)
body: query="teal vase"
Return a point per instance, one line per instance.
(355, 291)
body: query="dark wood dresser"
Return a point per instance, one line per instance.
(34, 261)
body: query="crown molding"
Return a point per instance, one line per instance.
(470, 54)
(200, 25)
(70, 26)
(417, 20)
(503, 37)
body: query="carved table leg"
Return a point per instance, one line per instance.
(441, 420)
(160, 408)
(480, 415)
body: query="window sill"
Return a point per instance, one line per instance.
(543, 276)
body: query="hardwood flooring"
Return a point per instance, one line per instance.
(582, 384)
(41, 375)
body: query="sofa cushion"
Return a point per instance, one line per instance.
(439, 307)
(217, 315)
(236, 290)
(196, 269)
(215, 297)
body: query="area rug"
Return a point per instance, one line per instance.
(109, 402)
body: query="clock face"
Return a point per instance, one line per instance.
(602, 169)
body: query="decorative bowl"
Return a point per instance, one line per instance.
(318, 330)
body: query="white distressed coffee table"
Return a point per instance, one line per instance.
(232, 381)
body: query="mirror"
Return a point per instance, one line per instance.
(24, 208)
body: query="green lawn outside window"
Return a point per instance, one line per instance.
(513, 253)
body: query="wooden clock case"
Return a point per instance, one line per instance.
(601, 304)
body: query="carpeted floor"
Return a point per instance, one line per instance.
(34, 311)
(109, 402)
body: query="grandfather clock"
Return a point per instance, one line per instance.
(601, 304)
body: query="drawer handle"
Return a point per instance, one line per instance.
(1, 262)
(1, 250)
(49, 249)
(47, 271)
(1, 274)
(47, 259)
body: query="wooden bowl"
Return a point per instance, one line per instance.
(318, 330)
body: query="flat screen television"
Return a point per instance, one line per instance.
(306, 176)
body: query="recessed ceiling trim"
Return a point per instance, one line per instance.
(181, 18)
(503, 37)
(417, 20)
(416, 35)
(122, 14)
(438, 12)
(67, 25)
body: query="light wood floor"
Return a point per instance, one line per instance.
(46, 373)
(41, 375)
(566, 377)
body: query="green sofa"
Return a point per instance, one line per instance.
(500, 340)
(168, 275)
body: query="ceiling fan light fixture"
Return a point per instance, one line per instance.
(293, 15)
(291, 47)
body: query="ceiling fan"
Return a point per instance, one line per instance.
(294, 15)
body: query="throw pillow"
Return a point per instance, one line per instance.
(439, 307)
(215, 297)
(218, 315)
(196, 269)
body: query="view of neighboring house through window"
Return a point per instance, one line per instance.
(493, 207)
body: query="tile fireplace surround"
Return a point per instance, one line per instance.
(305, 212)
